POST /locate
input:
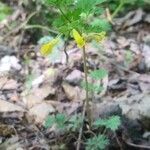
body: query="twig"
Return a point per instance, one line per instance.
(65, 47)
(20, 26)
(136, 145)
(121, 148)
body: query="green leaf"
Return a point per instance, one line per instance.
(50, 120)
(92, 87)
(60, 120)
(99, 74)
(75, 122)
(59, 2)
(128, 56)
(99, 25)
(4, 11)
(112, 123)
(88, 5)
(97, 143)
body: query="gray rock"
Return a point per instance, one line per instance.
(74, 77)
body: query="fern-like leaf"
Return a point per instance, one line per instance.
(97, 143)
(111, 123)
(98, 74)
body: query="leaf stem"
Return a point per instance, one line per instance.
(118, 8)
(40, 27)
(64, 14)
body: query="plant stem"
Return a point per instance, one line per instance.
(40, 27)
(86, 86)
(86, 106)
(118, 8)
(64, 14)
(81, 128)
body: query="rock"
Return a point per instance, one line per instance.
(6, 106)
(146, 54)
(9, 62)
(5, 50)
(73, 93)
(40, 111)
(49, 76)
(147, 18)
(105, 109)
(74, 77)
(136, 106)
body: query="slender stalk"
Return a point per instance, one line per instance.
(41, 27)
(81, 128)
(86, 87)
(86, 106)
(64, 14)
(118, 8)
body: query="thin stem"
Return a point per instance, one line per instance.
(40, 27)
(86, 106)
(64, 14)
(81, 128)
(118, 8)
(86, 87)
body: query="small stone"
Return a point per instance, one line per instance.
(146, 54)
(74, 77)
(8, 62)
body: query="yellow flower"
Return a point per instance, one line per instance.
(78, 38)
(47, 48)
(99, 37)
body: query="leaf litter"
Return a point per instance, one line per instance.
(56, 86)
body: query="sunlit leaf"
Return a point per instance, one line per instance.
(112, 123)
(98, 74)
(78, 38)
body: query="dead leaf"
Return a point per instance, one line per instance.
(9, 107)
(41, 111)
(73, 93)
(8, 84)
(37, 95)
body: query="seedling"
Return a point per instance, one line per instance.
(77, 19)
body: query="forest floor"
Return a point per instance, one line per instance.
(31, 86)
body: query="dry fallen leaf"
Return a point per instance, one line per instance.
(6, 106)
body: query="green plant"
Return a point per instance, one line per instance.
(72, 124)
(63, 122)
(100, 141)
(128, 57)
(97, 143)
(78, 19)
(117, 6)
(4, 11)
